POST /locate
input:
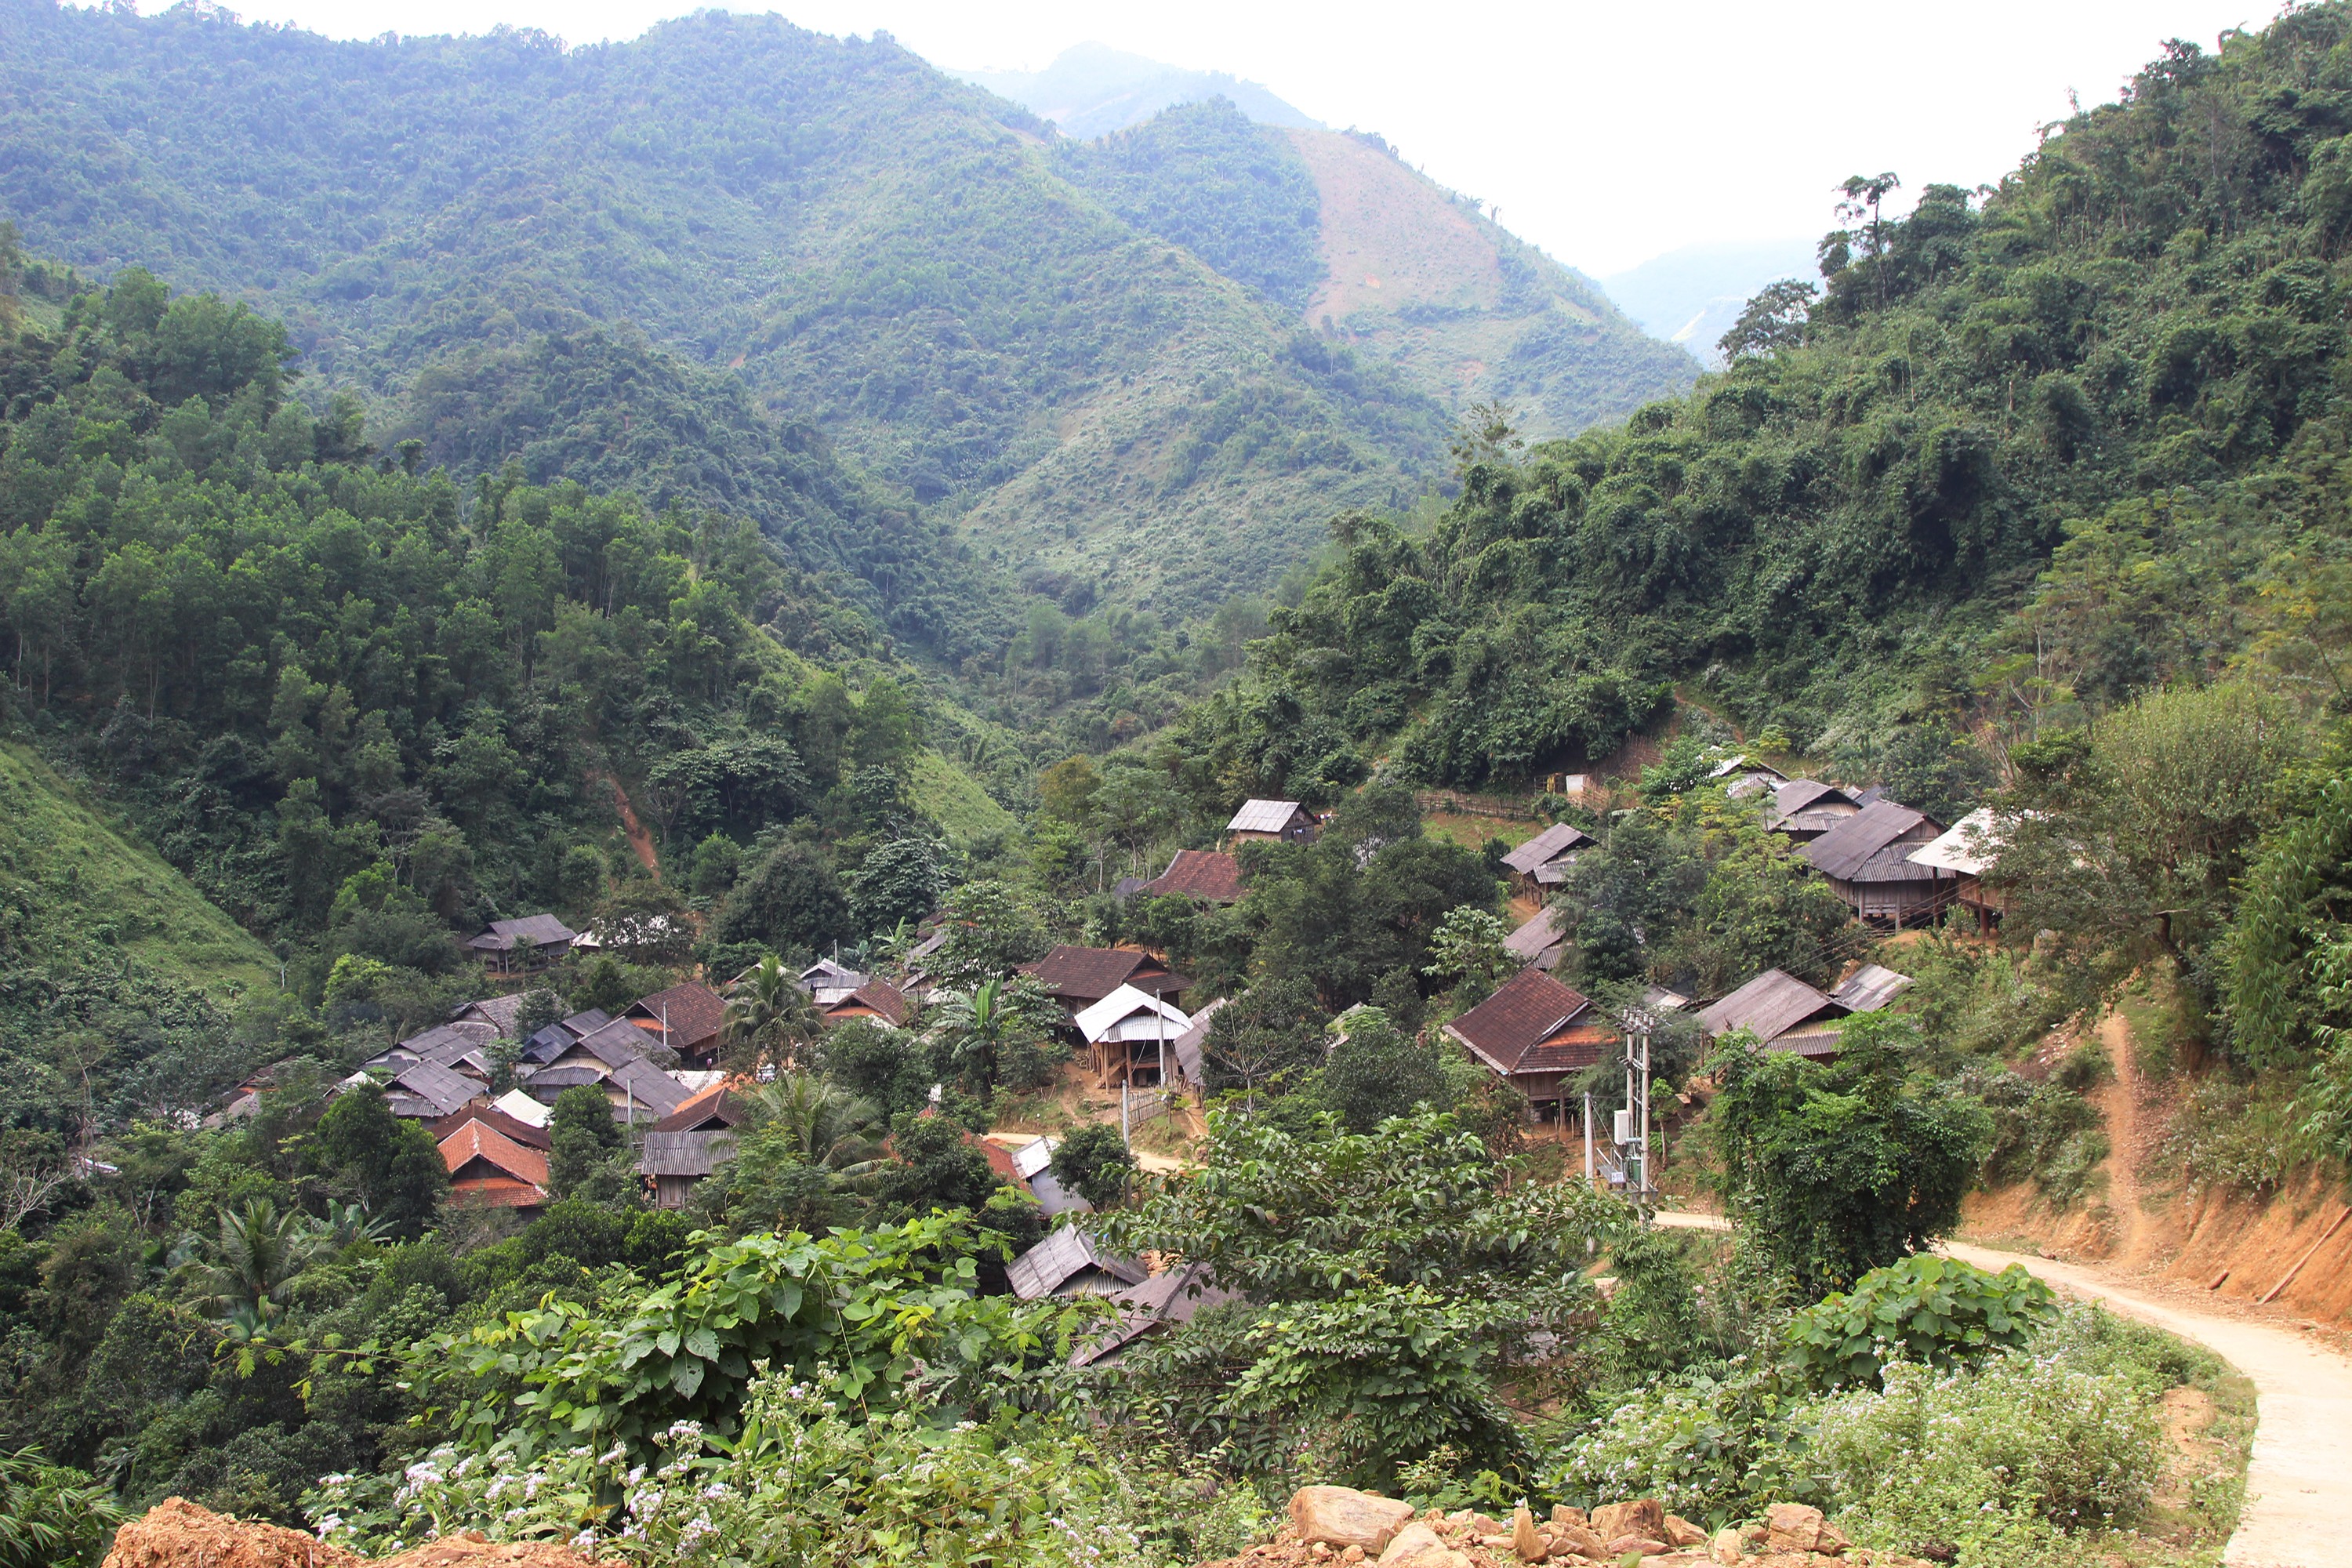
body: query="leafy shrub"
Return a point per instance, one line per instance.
(808, 1481)
(1937, 1311)
(51, 1516)
(2041, 1132)
(1990, 1464)
(1711, 1448)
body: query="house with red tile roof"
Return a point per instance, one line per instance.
(489, 1169)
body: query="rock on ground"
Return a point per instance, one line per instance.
(1341, 1516)
(176, 1533)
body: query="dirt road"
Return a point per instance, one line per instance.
(2299, 1483)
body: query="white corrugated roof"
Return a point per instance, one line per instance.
(1262, 817)
(1969, 845)
(1033, 1157)
(522, 1108)
(1102, 1020)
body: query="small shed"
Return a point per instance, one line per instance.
(675, 1162)
(1069, 1264)
(1742, 775)
(1540, 942)
(1204, 875)
(1866, 857)
(531, 942)
(1783, 1012)
(1174, 1296)
(1537, 1035)
(1541, 863)
(1271, 822)
(1968, 850)
(1033, 1167)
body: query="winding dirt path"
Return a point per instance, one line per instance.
(2299, 1481)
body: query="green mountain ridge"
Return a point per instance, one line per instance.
(877, 251)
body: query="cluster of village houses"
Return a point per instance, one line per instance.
(656, 1060)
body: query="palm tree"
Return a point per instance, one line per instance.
(827, 1126)
(976, 1027)
(247, 1271)
(767, 1015)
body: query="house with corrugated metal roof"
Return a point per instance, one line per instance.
(1969, 849)
(531, 942)
(675, 1162)
(1541, 863)
(1782, 1012)
(1067, 1263)
(1540, 942)
(1271, 822)
(1866, 858)
(1131, 1033)
(1804, 809)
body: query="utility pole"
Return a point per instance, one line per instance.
(1633, 1122)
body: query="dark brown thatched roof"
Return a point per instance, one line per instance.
(1204, 874)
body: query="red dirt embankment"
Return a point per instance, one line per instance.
(176, 1533)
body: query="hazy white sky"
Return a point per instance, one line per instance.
(1605, 132)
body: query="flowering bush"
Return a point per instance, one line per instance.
(808, 1479)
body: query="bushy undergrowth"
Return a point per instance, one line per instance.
(2244, 1136)
(1993, 1465)
(811, 1479)
(1995, 1458)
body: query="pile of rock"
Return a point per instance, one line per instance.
(176, 1533)
(1338, 1526)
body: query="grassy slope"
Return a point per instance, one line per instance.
(63, 859)
(1466, 310)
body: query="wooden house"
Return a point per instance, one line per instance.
(712, 1110)
(463, 1046)
(1540, 942)
(558, 1037)
(426, 1091)
(1204, 875)
(1537, 1035)
(1966, 852)
(687, 1019)
(675, 1162)
(490, 1169)
(1866, 857)
(1804, 809)
(827, 981)
(1742, 775)
(510, 947)
(876, 999)
(1782, 1012)
(1541, 863)
(1131, 1032)
(500, 1013)
(1174, 1296)
(1067, 1264)
(1078, 977)
(1184, 1050)
(1271, 822)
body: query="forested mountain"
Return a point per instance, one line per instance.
(877, 252)
(2018, 457)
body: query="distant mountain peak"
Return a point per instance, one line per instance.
(1092, 89)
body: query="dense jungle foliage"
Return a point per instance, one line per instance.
(2018, 457)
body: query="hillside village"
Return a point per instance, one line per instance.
(854, 833)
